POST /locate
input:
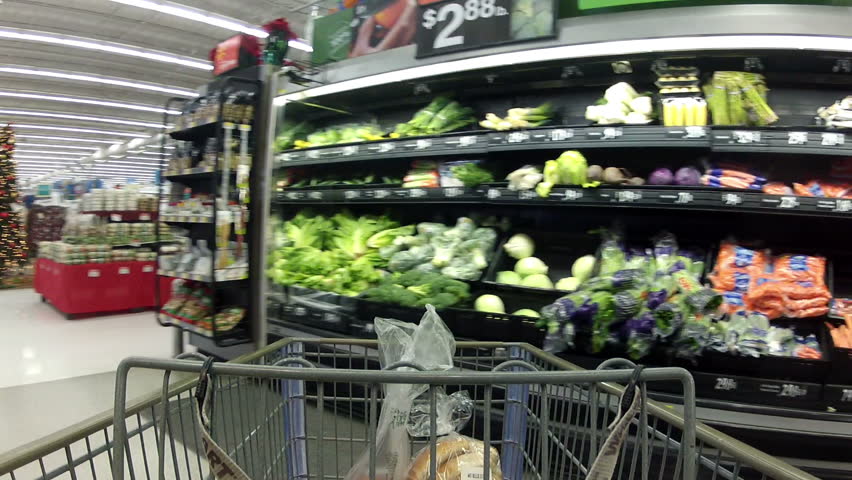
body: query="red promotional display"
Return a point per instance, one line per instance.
(96, 287)
(236, 52)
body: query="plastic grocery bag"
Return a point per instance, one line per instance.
(458, 458)
(431, 346)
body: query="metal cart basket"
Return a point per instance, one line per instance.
(308, 408)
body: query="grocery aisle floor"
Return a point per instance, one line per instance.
(57, 372)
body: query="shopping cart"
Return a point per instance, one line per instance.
(308, 408)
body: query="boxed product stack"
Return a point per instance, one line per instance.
(61, 252)
(146, 203)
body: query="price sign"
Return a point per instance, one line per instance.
(725, 384)
(144, 217)
(746, 136)
(833, 139)
(561, 134)
(467, 140)
(527, 195)
(315, 195)
(684, 198)
(797, 138)
(417, 193)
(349, 150)
(351, 194)
(493, 194)
(124, 271)
(454, 25)
(423, 143)
(695, 132)
(115, 217)
(452, 192)
(792, 390)
(148, 269)
(94, 273)
(517, 137)
(572, 194)
(788, 202)
(731, 199)
(843, 205)
(313, 154)
(627, 196)
(386, 147)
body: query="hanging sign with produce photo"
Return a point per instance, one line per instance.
(454, 25)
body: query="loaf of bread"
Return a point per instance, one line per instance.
(453, 454)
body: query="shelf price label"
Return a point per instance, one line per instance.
(517, 137)
(295, 195)
(349, 150)
(732, 199)
(833, 139)
(313, 154)
(527, 195)
(148, 269)
(627, 196)
(842, 205)
(725, 384)
(494, 193)
(797, 138)
(684, 198)
(124, 271)
(462, 24)
(452, 192)
(561, 134)
(417, 193)
(788, 202)
(571, 194)
(791, 390)
(351, 194)
(746, 136)
(144, 217)
(94, 273)
(386, 147)
(695, 132)
(315, 195)
(467, 140)
(115, 217)
(381, 194)
(423, 144)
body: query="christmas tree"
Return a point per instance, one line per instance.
(13, 253)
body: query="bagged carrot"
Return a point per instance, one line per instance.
(803, 268)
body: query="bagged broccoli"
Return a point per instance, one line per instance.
(668, 318)
(429, 229)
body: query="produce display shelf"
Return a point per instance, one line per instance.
(201, 130)
(187, 173)
(804, 140)
(173, 218)
(682, 198)
(124, 215)
(223, 275)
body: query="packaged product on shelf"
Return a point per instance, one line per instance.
(180, 292)
(464, 173)
(822, 188)
(198, 304)
(423, 174)
(224, 321)
(738, 98)
(788, 285)
(732, 176)
(440, 116)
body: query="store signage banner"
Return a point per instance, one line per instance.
(454, 25)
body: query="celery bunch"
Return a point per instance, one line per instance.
(441, 116)
(739, 98)
(519, 118)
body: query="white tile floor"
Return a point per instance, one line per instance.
(56, 372)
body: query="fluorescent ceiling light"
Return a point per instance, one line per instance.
(585, 50)
(133, 164)
(197, 16)
(78, 42)
(89, 101)
(201, 16)
(300, 45)
(49, 152)
(86, 118)
(41, 157)
(50, 145)
(147, 159)
(82, 130)
(97, 79)
(154, 153)
(66, 139)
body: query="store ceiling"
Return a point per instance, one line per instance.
(144, 31)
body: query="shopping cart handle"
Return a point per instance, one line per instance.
(203, 377)
(630, 390)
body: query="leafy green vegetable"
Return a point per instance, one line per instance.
(440, 116)
(471, 174)
(352, 233)
(415, 288)
(386, 237)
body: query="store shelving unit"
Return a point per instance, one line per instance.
(228, 284)
(796, 144)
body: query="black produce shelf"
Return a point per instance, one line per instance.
(805, 140)
(198, 131)
(681, 198)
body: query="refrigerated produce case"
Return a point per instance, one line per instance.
(366, 176)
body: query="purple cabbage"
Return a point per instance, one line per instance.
(687, 176)
(661, 176)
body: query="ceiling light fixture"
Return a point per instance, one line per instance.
(42, 157)
(49, 152)
(220, 21)
(88, 101)
(616, 48)
(69, 41)
(97, 79)
(67, 139)
(197, 16)
(81, 130)
(86, 118)
(48, 145)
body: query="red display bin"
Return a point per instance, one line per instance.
(96, 287)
